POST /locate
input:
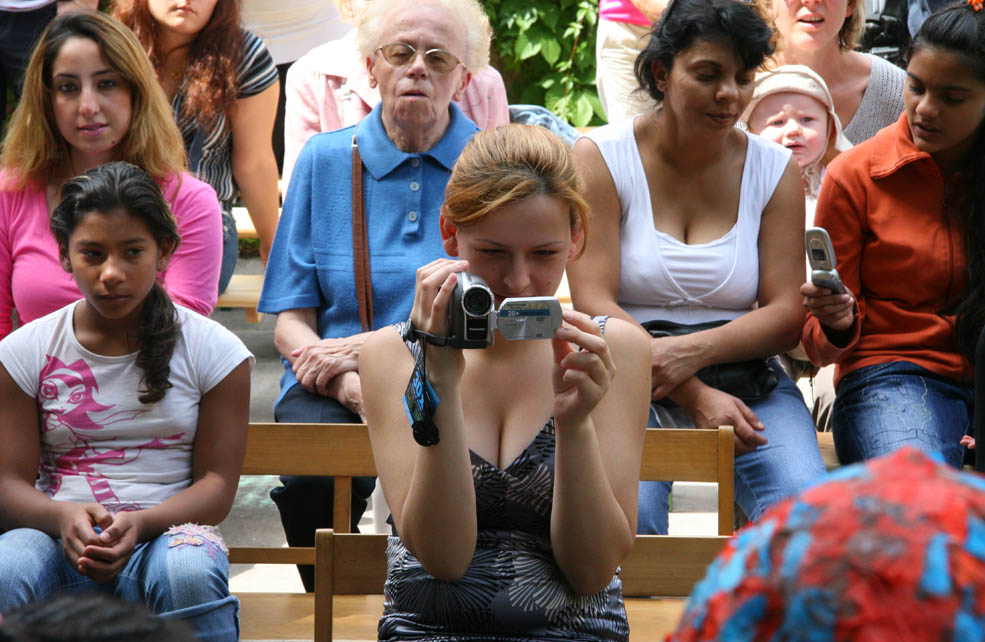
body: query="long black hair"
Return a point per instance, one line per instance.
(960, 30)
(116, 186)
(686, 21)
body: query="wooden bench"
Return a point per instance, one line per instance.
(351, 568)
(244, 224)
(243, 291)
(340, 450)
(826, 444)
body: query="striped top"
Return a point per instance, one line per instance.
(210, 153)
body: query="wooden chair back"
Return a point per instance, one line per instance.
(658, 565)
(338, 450)
(683, 454)
(661, 565)
(349, 564)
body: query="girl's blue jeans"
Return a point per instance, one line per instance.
(181, 574)
(879, 409)
(786, 464)
(230, 250)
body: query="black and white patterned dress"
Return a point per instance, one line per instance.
(514, 589)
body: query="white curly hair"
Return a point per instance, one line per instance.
(478, 33)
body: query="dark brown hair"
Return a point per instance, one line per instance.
(34, 148)
(960, 30)
(122, 186)
(213, 57)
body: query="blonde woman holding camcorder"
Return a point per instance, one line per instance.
(514, 493)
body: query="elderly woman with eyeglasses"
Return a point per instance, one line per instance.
(329, 87)
(418, 53)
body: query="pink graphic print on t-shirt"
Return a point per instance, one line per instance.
(70, 412)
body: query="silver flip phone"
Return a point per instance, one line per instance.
(821, 255)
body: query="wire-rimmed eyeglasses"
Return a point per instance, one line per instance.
(401, 54)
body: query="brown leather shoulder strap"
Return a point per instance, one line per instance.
(360, 246)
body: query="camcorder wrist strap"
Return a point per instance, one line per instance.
(360, 245)
(420, 399)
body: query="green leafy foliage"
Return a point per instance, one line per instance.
(545, 50)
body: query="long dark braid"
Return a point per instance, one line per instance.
(959, 29)
(123, 186)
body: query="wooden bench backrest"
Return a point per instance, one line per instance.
(355, 564)
(338, 450)
(682, 454)
(657, 565)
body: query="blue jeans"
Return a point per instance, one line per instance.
(230, 250)
(879, 409)
(786, 464)
(188, 580)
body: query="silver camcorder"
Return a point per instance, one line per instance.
(472, 315)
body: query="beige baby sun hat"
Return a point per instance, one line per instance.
(802, 80)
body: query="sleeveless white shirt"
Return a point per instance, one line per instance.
(663, 278)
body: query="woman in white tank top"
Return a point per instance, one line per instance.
(697, 222)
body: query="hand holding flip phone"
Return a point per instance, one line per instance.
(821, 255)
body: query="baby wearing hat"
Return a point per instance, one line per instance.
(791, 106)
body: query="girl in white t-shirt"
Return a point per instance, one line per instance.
(122, 421)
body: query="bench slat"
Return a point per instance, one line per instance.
(244, 224)
(275, 616)
(243, 291)
(305, 449)
(691, 462)
(267, 555)
(668, 566)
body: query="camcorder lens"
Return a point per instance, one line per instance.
(477, 301)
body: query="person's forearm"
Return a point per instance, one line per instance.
(590, 533)
(24, 506)
(438, 523)
(207, 501)
(257, 180)
(759, 333)
(294, 329)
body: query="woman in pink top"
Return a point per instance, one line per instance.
(91, 97)
(328, 88)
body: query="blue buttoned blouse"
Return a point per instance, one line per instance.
(310, 264)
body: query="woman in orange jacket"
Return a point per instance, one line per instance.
(905, 211)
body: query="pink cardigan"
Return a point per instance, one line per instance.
(328, 88)
(32, 279)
